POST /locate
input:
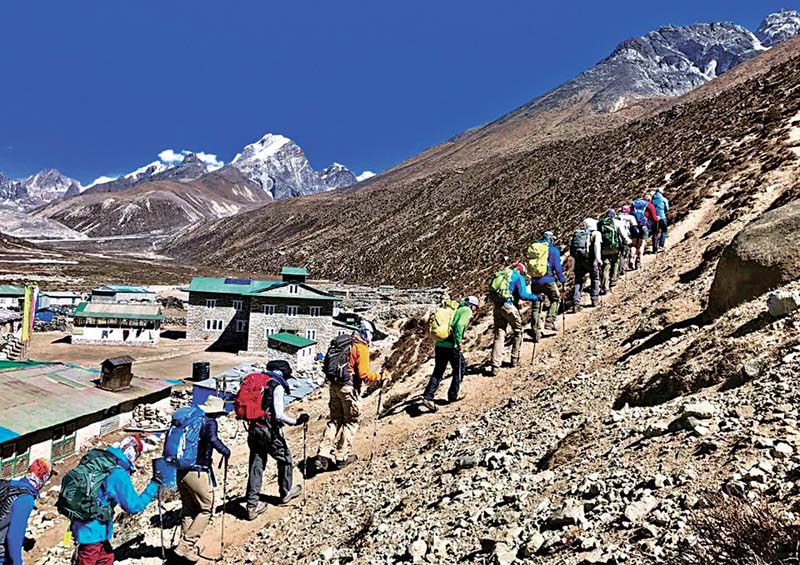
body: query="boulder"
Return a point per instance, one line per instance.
(782, 304)
(763, 256)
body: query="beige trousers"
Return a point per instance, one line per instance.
(197, 500)
(337, 440)
(506, 315)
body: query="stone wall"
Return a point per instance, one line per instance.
(197, 313)
(281, 322)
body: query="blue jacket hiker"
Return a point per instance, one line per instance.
(547, 286)
(448, 351)
(17, 504)
(506, 313)
(93, 537)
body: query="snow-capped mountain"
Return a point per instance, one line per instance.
(668, 62)
(189, 169)
(280, 167)
(49, 185)
(11, 191)
(337, 176)
(778, 27)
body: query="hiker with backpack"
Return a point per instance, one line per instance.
(586, 252)
(544, 267)
(613, 239)
(652, 217)
(661, 205)
(17, 500)
(261, 402)
(640, 212)
(447, 351)
(91, 491)
(346, 368)
(630, 226)
(196, 432)
(507, 288)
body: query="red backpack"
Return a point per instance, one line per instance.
(249, 402)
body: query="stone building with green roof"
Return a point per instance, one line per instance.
(244, 315)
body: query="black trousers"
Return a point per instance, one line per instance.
(267, 442)
(442, 357)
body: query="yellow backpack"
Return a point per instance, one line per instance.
(440, 321)
(537, 258)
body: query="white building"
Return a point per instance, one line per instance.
(56, 298)
(11, 297)
(116, 323)
(122, 293)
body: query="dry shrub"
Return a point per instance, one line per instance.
(732, 530)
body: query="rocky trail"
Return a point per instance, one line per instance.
(606, 449)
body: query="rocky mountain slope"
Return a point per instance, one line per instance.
(190, 168)
(468, 218)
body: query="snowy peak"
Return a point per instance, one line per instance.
(265, 147)
(189, 168)
(48, 185)
(338, 176)
(779, 27)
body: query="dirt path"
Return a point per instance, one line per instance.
(406, 423)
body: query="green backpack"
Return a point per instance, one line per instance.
(80, 488)
(609, 233)
(499, 291)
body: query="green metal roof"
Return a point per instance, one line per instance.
(119, 311)
(122, 289)
(295, 271)
(224, 286)
(8, 290)
(292, 339)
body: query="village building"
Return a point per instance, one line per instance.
(122, 294)
(10, 321)
(244, 315)
(117, 323)
(52, 410)
(11, 297)
(55, 299)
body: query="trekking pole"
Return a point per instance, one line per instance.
(305, 459)
(375, 425)
(224, 502)
(161, 526)
(563, 310)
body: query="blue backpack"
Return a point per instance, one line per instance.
(639, 207)
(180, 447)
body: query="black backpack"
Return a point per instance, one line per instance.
(8, 495)
(336, 365)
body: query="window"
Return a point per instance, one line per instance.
(311, 334)
(13, 461)
(294, 289)
(63, 442)
(269, 332)
(214, 325)
(211, 303)
(269, 309)
(241, 326)
(315, 311)
(292, 310)
(237, 305)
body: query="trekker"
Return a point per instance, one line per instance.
(17, 500)
(612, 241)
(661, 205)
(652, 217)
(640, 207)
(507, 288)
(261, 400)
(546, 285)
(94, 535)
(448, 351)
(346, 366)
(195, 485)
(630, 226)
(586, 252)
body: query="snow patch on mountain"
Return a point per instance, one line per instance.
(778, 27)
(365, 175)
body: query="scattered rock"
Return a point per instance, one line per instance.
(782, 304)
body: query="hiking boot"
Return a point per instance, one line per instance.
(461, 396)
(320, 464)
(188, 551)
(492, 371)
(291, 495)
(341, 464)
(595, 303)
(429, 404)
(514, 363)
(551, 326)
(254, 512)
(576, 309)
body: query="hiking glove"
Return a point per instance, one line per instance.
(158, 478)
(303, 418)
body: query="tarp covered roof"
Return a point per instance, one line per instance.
(39, 397)
(123, 288)
(120, 311)
(292, 339)
(8, 290)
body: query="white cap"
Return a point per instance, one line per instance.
(472, 301)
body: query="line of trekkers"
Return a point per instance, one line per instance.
(89, 494)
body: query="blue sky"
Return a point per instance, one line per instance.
(101, 87)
